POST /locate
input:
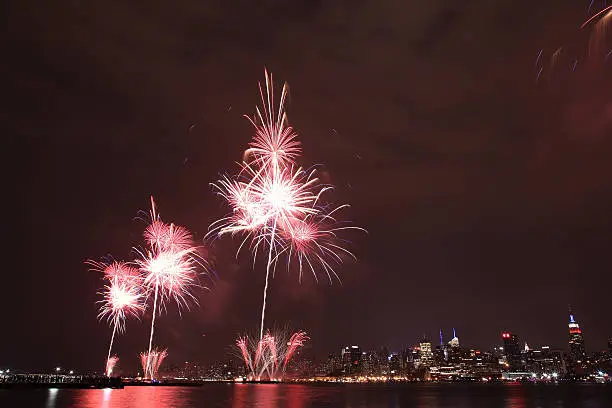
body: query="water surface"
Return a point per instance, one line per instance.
(318, 396)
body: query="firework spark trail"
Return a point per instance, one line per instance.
(574, 65)
(539, 73)
(270, 356)
(598, 37)
(271, 196)
(598, 41)
(539, 57)
(169, 267)
(590, 5)
(555, 57)
(122, 296)
(596, 16)
(111, 362)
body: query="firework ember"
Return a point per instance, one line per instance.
(268, 358)
(151, 361)
(276, 205)
(170, 266)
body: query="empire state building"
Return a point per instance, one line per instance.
(576, 341)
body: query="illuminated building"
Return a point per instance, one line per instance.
(453, 350)
(576, 341)
(454, 342)
(545, 361)
(351, 360)
(395, 363)
(425, 353)
(511, 344)
(331, 366)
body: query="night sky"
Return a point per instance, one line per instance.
(487, 196)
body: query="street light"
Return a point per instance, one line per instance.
(57, 369)
(71, 372)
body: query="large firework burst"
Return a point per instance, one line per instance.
(276, 205)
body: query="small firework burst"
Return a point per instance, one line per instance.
(151, 361)
(122, 297)
(110, 365)
(268, 358)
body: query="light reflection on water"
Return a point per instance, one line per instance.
(150, 397)
(51, 397)
(515, 396)
(318, 396)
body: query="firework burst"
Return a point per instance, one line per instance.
(110, 365)
(151, 361)
(122, 297)
(169, 266)
(276, 204)
(269, 357)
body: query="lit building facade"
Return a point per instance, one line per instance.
(425, 353)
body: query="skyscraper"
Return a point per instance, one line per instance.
(454, 342)
(511, 344)
(351, 360)
(425, 354)
(576, 341)
(512, 351)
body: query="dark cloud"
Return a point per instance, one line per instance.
(486, 194)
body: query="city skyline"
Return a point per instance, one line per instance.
(484, 186)
(506, 337)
